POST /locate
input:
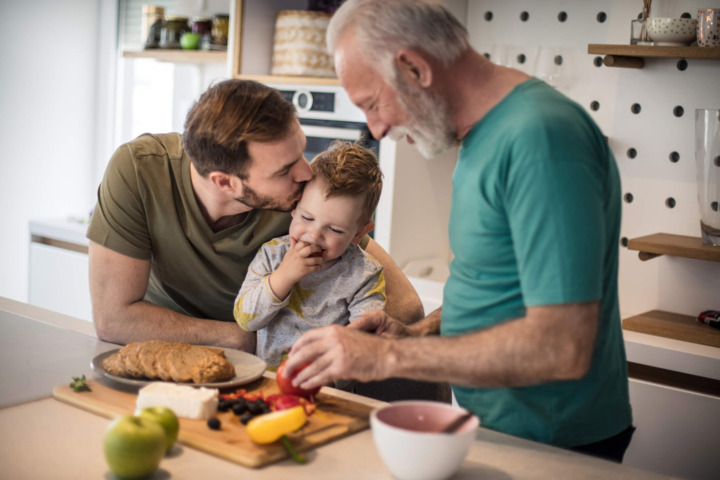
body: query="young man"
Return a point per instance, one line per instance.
(530, 335)
(317, 275)
(180, 217)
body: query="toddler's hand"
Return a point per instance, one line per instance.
(299, 261)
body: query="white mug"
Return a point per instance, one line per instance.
(708, 29)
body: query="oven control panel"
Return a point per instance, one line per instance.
(322, 102)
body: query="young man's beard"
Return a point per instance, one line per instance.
(430, 126)
(261, 202)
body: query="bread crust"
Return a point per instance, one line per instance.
(174, 362)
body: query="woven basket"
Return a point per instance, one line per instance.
(299, 44)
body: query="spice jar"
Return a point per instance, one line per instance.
(150, 25)
(221, 22)
(172, 30)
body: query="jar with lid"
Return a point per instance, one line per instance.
(172, 29)
(220, 27)
(150, 25)
(203, 27)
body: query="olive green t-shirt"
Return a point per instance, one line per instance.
(146, 209)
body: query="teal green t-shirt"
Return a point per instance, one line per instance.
(535, 220)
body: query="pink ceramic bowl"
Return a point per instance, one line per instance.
(407, 436)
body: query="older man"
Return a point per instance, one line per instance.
(530, 334)
(180, 217)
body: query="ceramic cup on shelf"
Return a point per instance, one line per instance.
(708, 29)
(707, 161)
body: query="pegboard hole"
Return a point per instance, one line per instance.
(682, 65)
(670, 202)
(715, 206)
(631, 153)
(521, 58)
(486, 55)
(629, 197)
(624, 241)
(678, 111)
(601, 17)
(558, 60)
(685, 15)
(598, 61)
(635, 108)
(488, 16)
(524, 16)
(562, 16)
(674, 157)
(717, 161)
(594, 105)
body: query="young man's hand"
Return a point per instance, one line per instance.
(299, 261)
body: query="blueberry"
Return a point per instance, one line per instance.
(214, 423)
(239, 408)
(245, 418)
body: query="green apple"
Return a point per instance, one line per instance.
(134, 446)
(167, 419)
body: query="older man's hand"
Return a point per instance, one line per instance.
(380, 323)
(337, 352)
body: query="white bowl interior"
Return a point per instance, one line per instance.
(407, 437)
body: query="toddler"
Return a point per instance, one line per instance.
(317, 275)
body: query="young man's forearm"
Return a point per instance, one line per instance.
(143, 321)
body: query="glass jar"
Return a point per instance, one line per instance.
(221, 23)
(203, 27)
(150, 25)
(172, 30)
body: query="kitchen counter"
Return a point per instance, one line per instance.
(44, 438)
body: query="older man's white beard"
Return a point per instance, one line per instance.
(430, 126)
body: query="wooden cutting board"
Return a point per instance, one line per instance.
(334, 418)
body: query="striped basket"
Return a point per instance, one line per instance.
(299, 44)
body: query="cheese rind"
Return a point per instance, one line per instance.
(185, 401)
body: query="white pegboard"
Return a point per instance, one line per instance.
(654, 133)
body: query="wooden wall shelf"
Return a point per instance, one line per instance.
(291, 79)
(179, 56)
(672, 325)
(631, 56)
(658, 244)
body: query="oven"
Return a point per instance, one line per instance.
(326, 114)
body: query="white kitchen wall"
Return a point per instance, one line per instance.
(51, 99)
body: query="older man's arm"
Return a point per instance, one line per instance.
(403, 302)
(117, 287)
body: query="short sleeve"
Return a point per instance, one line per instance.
(555, 212)
(119, 221)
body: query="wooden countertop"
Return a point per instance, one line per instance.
(48, 439)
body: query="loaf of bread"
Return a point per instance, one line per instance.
(175, 362)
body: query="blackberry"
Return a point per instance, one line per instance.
(239, 408)
(255, 407)
(214, 423)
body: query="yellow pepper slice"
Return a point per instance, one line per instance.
(270, 427)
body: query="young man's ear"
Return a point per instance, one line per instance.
(362, 232)
(414, 68)
(223, 181)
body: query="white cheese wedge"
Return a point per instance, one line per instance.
(185, 401)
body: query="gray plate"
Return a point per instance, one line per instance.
(248, 368)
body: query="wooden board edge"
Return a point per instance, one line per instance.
(66, 395)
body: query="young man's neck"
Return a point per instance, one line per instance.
(219, 209)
